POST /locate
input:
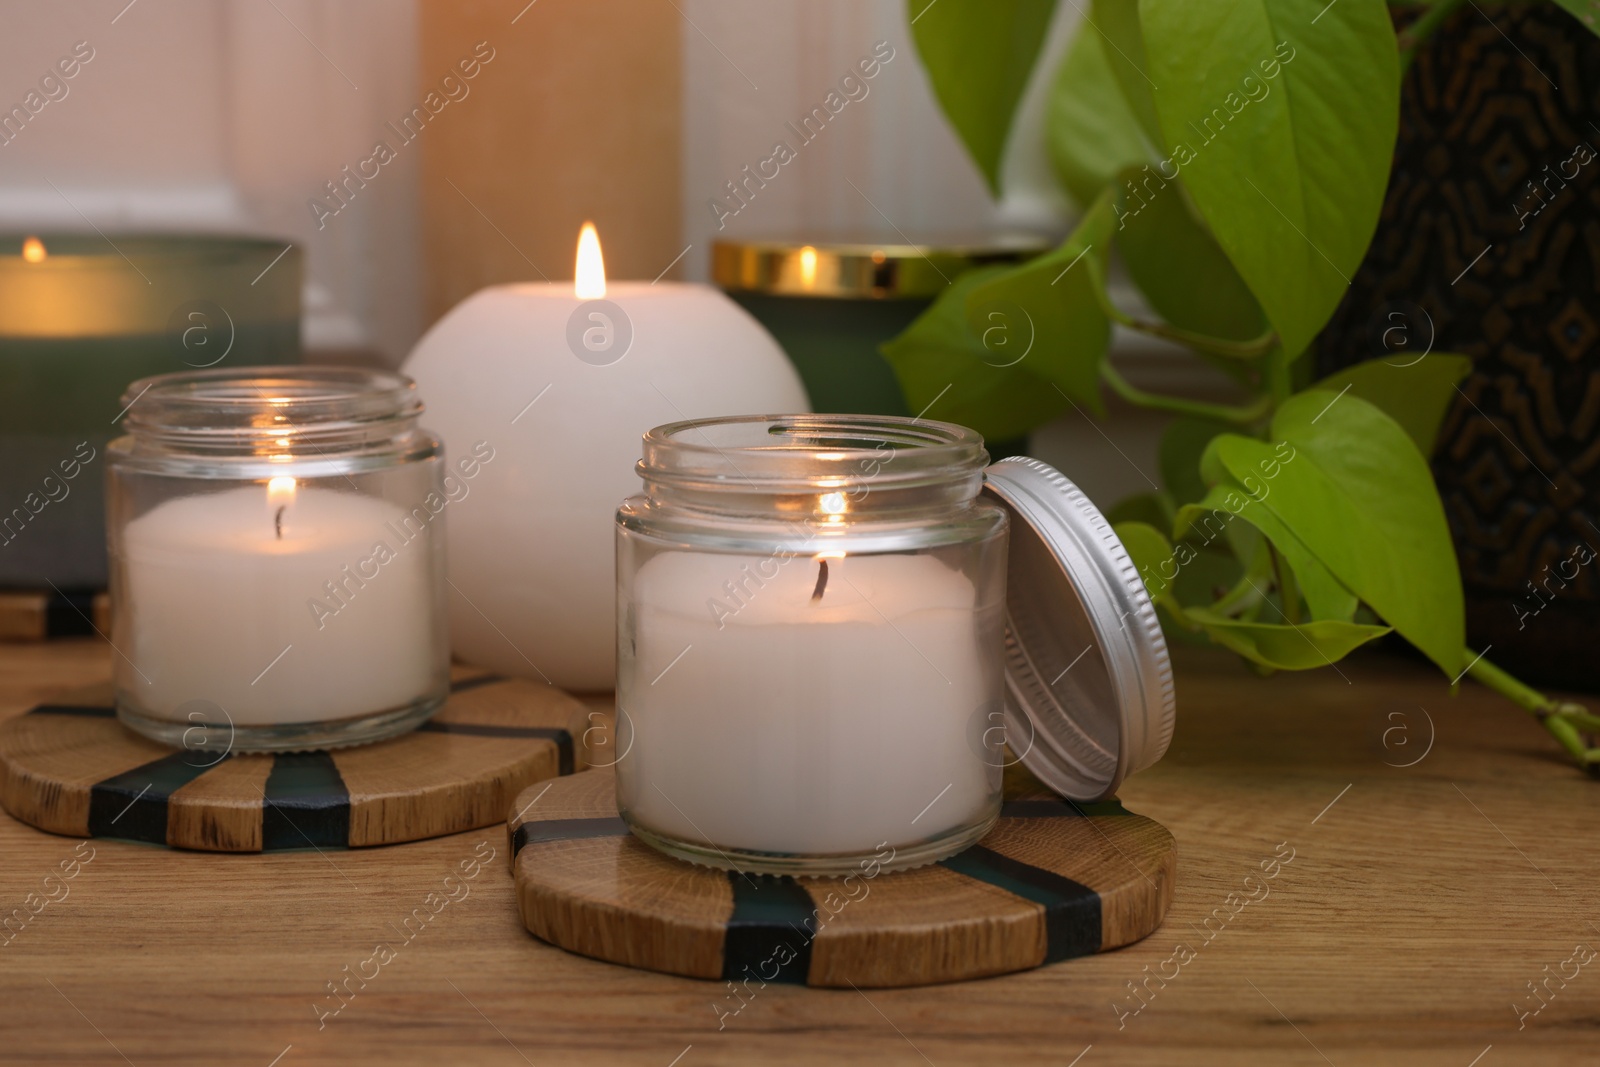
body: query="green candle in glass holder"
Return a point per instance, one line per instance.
(80, 317)
(832, 302)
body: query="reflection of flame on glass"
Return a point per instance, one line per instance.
(590, 276)
(808, 267)
(33, 250)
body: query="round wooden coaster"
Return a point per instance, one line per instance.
(71, 768)
(1051, 881)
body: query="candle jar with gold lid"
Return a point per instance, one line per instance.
(277, 558)
(832, 629)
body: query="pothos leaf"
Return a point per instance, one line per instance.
(1274, 645)
(1051, 303)
(1281, 117)
(1093, 131)
(1291, 648)
(1004, 348)
(1414, 393)
(1360, 498)
(979, 55)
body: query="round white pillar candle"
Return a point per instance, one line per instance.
(221, 608)
(562, 386)
(786, 722)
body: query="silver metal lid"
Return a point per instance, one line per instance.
(1087, 671)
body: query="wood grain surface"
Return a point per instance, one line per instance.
(1053, 880)
(69, 767)
(1419, 904)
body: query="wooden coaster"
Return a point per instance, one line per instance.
(37, 616)
(1051, 881)
(72, 768)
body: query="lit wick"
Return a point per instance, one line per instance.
(280, 495)
(822, 580)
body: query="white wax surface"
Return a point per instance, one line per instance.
(214, 596)
(806, 726)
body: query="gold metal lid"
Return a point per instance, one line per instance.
(854, 268)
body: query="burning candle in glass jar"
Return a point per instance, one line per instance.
(807, 704)
(281, 600)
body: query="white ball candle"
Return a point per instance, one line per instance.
(562, 379)
(811, 713)
(281, 605)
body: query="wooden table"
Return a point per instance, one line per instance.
(1420, 903)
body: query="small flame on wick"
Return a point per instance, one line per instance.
(280, 495)
(33, 250)
(590, 273)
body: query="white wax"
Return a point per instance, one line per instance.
(214, 597)
(499, 368)
(801, 725)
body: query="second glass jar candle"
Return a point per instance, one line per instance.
(811, 615)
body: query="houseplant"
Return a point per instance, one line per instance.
(1234, 158)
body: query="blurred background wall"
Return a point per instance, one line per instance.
(238, 114)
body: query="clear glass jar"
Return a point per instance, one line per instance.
(811, 612)
(276, 542)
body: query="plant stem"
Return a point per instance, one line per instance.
(1238, 416)
(1420, 30)
(1563, 720)
(1241, 350)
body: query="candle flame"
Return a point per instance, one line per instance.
(590, 274)
(33, 250)
(808, 267)
(280, 492)
(833, 504)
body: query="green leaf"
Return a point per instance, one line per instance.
(942, 370)
(1177, 263)
(1359, 497)
(1118, 23)
(1416, 394)
(1182, 444)
(1280, 115)
(1290, 648)
(1047, 312)
(1324, 596)
(979, 55)
(1314, 644)
(1585, 11)
(1093, 131)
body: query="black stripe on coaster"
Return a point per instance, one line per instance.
(1058, 808)
(69, 614)
(533, 833)
(472, 683)
(562, 738)
(86, 711)
(768, 930)
(1071, 910)
(133, 804)
(306, 804)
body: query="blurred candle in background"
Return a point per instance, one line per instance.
(82, 315)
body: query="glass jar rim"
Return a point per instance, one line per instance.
(810, 453)
(206, 402)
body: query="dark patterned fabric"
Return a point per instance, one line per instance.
(1489, 245)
